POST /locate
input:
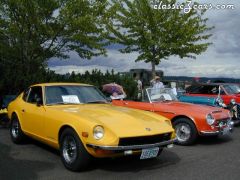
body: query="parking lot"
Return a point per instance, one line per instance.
(209, 158)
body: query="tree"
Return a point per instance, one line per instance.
(33, 31)
(157, 34)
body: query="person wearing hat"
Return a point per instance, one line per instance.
(156, 83)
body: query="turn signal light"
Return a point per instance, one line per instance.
(85, 134)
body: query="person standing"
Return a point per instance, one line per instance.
(156, 83)
(139, 86)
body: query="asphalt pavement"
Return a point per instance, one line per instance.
(209, 158)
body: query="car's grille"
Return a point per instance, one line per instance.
(223, 122)
(144, 139)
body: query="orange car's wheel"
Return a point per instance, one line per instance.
(73, 154)
(186, 131)
(16, 133)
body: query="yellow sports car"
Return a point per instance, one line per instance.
(79, 121)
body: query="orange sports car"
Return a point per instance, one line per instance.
(189, 120)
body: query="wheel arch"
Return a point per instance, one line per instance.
(186, 117)
(63, 128)
(14, 113)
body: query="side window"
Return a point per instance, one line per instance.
(35, 93)
(25, 94)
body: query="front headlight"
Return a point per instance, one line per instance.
(222, 105)
(233, 101)
(98, 132)
(210, 119)
(219, 100)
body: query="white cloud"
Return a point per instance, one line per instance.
(220, 60)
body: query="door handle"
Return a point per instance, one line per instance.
(125, 103)
(23, 110)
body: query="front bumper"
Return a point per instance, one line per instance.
(132, 147)
(220, 130)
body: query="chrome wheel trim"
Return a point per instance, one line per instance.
(69, 150)
(15, 128)
(183, 132)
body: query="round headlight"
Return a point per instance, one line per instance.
(210, 119)
(219, 100)
(98, 132)
(233, 101)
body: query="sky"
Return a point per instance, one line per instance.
(222, 58)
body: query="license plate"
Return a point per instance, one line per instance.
(149, 153)
(226, 131)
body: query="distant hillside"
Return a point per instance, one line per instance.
(201, 79)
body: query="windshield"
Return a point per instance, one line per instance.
(160, 95)
(232, 88)
(73, 95)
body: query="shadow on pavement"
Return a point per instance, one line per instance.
(212, 140)
(134, 164)
(11, 168)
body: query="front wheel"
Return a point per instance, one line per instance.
(73, 154)
(16, 133)
(186, 131)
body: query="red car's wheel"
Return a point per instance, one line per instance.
(186, 131)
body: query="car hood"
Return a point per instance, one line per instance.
(193, 109)
(124, 122)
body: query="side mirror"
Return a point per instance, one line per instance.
(39, 102)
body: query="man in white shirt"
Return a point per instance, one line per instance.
(157, 85)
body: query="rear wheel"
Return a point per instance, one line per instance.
(16, 133)
(73, 154)
(186, 131)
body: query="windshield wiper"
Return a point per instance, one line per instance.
(97, 102)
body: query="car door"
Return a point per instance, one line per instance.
(33, 114)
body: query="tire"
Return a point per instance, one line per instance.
(16, 132)
(186, 131)
(73, 154)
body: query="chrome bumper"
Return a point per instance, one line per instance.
(220, 131)
(133, 147)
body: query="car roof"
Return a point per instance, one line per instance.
(61, 84)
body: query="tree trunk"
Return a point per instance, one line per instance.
(153, 69)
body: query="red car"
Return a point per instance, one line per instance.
(227, 91)
(189, 120)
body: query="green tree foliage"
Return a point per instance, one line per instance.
(97, 78)
(84, 24)
(33, 31)
(157, 34)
